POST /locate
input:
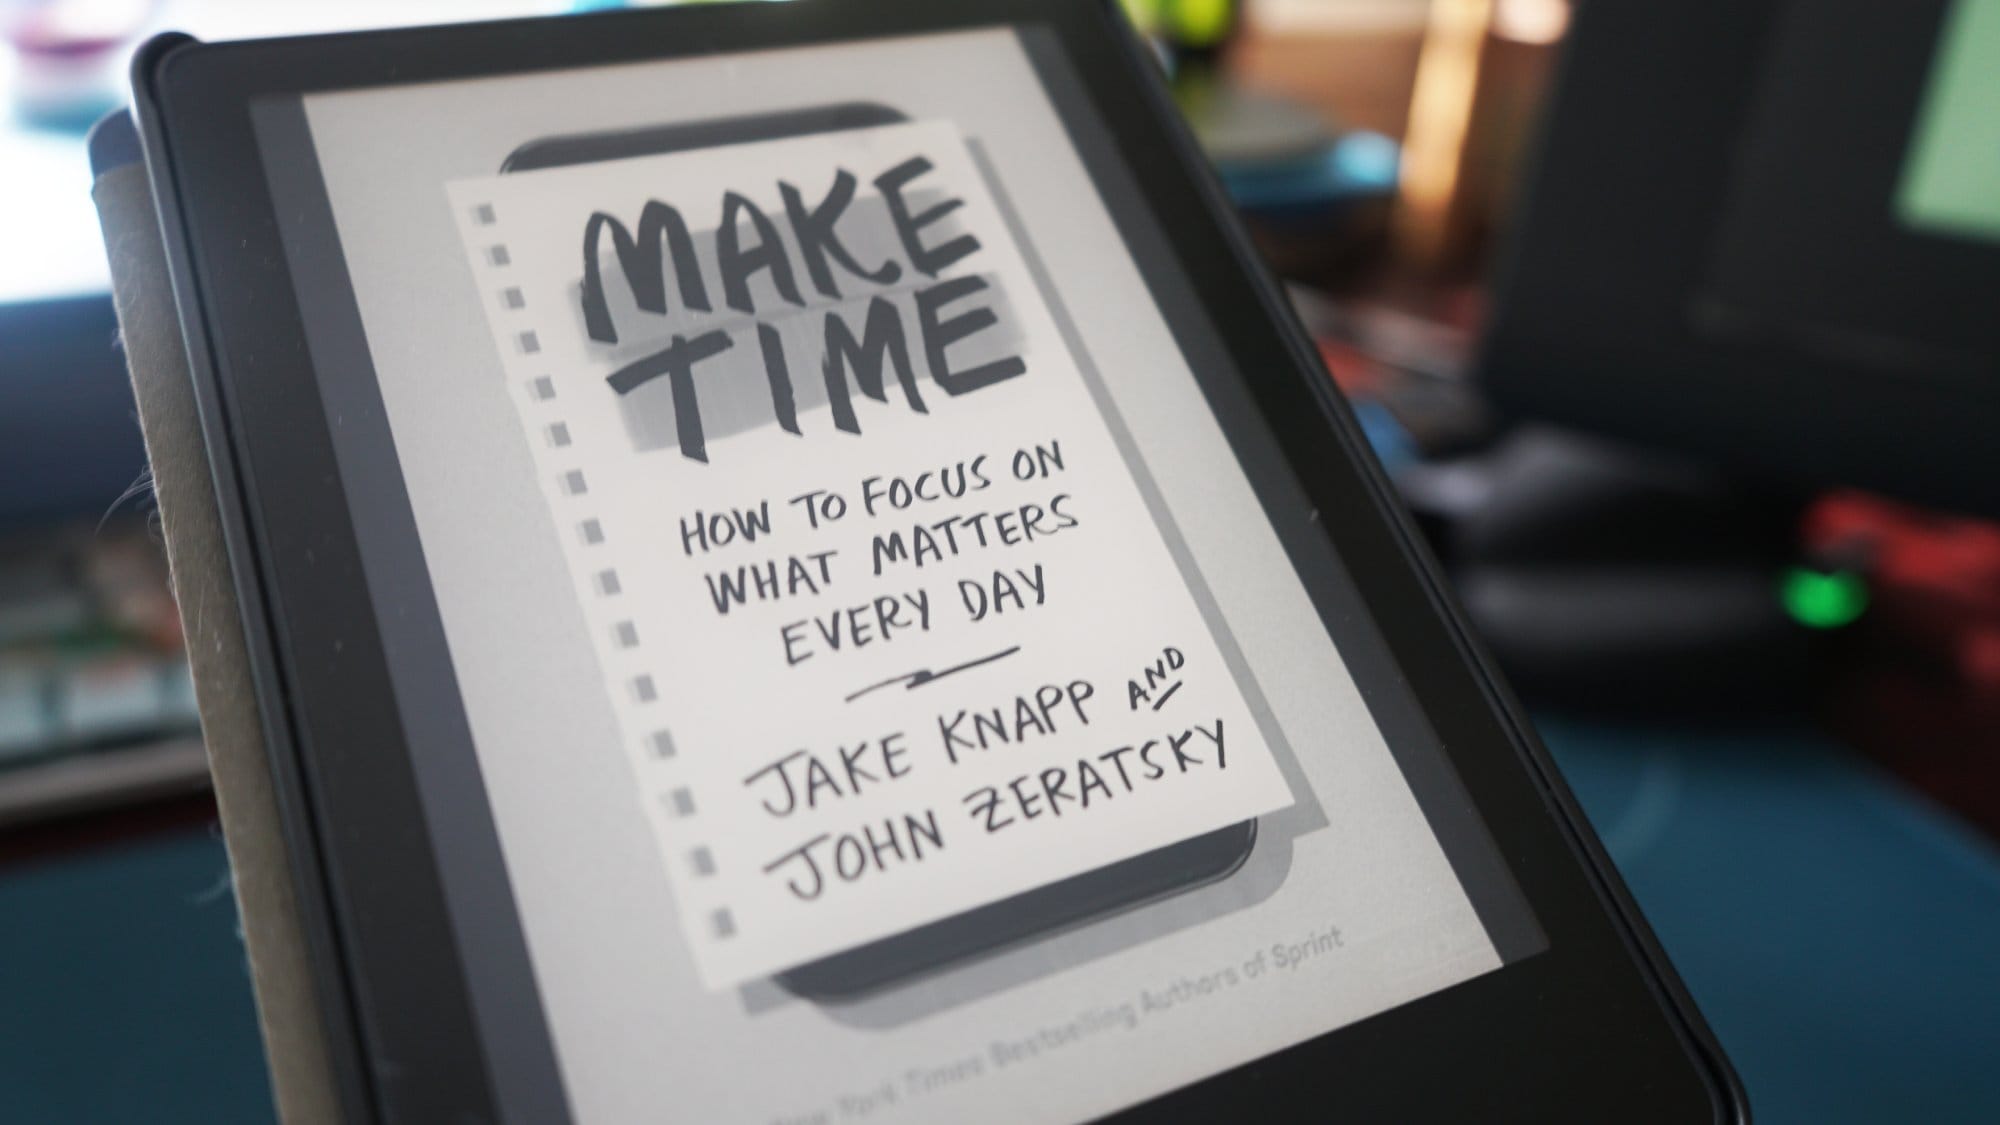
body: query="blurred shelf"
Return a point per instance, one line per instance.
(85, 781)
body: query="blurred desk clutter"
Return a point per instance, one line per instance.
(96, 707)
(96, 704)
(1746, 659)
(1780, 694)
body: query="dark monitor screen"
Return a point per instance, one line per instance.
(1788, 215)
(1950, 181)
(1871, 156)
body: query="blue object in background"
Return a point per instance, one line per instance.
(1841, 935)
(1358, 165)
(1386, 436)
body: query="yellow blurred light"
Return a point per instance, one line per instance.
(1198, 23)
(1440, 115)
(1531, 21)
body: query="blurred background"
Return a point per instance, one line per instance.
(1673, 320)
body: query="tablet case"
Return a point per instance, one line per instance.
(266, 899)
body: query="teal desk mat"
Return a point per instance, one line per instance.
(1840, 933)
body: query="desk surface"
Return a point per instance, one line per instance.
(1837, 931)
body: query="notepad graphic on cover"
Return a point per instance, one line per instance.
(889, 627)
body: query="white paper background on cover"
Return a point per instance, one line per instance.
(1081, 610)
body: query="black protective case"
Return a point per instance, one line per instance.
(1286, 1085)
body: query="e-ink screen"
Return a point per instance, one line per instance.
(892, 699)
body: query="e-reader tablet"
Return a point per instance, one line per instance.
(798, 569)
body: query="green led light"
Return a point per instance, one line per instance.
(1823, 601)
(1199, 23)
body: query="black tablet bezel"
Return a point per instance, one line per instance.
(1595, 1028)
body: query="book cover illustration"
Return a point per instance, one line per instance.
(886, 621)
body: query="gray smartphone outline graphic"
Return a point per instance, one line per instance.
(1062, 905)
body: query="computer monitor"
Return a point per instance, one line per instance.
(1767, 232)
